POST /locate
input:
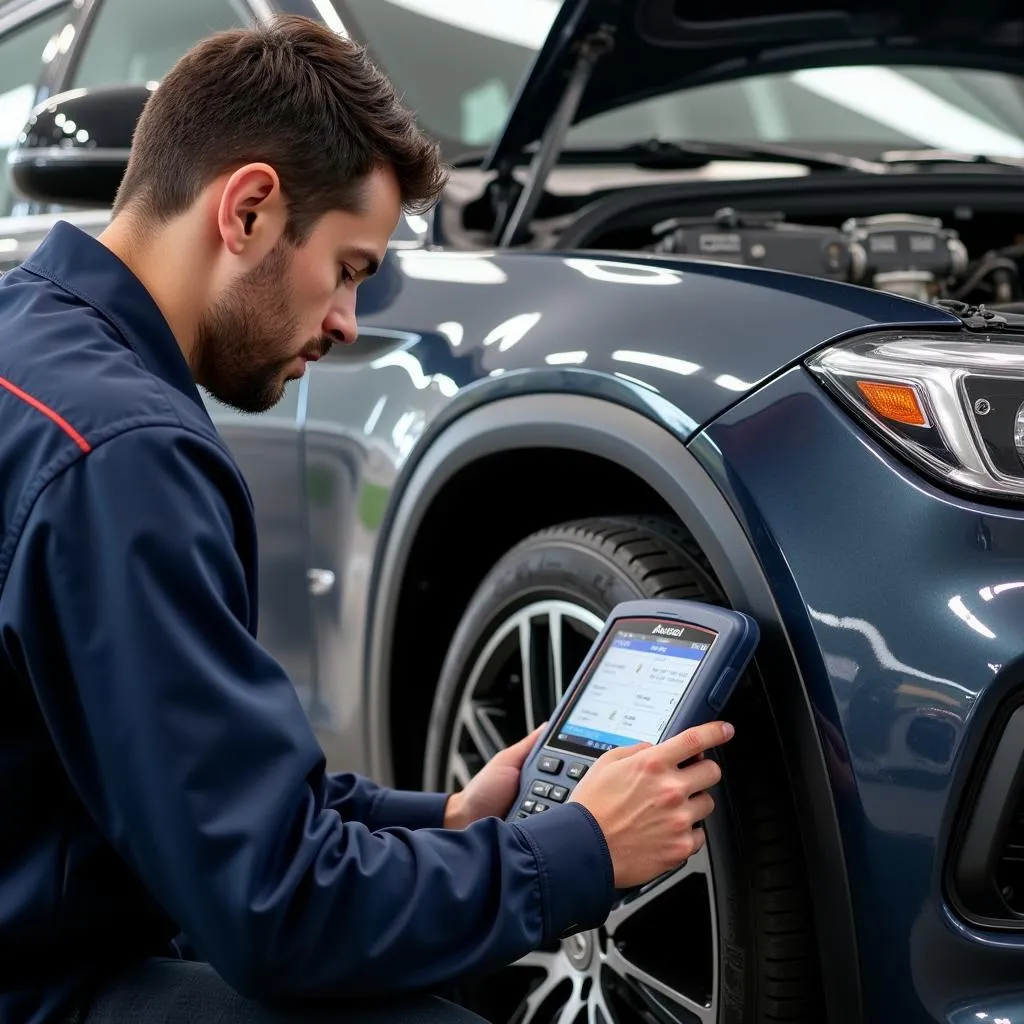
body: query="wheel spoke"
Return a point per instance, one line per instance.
(460, 770)
(557, 972)
(486, 717)
(629, 972)
(574, 1003)
(555, 642)
(696, 865)
(526, 655)
(550, 962)
(481, 730)
(599, 1003)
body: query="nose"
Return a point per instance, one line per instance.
(340, 324)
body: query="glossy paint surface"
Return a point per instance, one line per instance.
(895, 597)
(443, 332)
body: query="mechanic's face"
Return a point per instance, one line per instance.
(294, 304)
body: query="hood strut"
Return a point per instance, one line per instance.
(589, 53)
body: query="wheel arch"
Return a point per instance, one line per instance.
(621, 437)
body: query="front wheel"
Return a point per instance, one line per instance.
(726, 939)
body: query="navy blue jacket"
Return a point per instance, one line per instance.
(157, 771)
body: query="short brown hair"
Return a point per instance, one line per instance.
(290, 93)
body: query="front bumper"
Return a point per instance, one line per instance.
(900, 604)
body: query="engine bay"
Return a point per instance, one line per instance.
(929, 236)
(908, 254)
(969, 252)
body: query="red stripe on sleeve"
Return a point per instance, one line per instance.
(49, 413)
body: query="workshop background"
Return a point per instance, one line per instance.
(723, 302)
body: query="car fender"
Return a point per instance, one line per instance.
(653, 452)
(698, 336)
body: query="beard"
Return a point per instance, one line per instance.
(238, 348)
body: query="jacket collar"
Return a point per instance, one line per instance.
(85, 267)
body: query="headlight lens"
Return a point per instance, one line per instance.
(953, 405)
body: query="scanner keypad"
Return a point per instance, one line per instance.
(555, 789)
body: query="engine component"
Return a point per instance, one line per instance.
(761, 239)
(905, 254)
(902, 253)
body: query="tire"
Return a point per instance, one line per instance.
(758, 952)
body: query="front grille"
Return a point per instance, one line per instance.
(1009, 870)
(986, 877)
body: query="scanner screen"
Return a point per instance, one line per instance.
(632, 692)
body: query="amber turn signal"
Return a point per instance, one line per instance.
(897, 402)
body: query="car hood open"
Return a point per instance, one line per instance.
(650, 47)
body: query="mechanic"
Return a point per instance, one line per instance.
(158, 775)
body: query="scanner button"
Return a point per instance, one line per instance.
(558, 793)
(527, 805)
(541, 788)
(550, 765)
(577, 770)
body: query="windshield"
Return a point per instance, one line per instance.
(485, 47)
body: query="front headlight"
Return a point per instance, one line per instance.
(952, 405)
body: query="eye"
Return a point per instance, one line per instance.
(346, 275)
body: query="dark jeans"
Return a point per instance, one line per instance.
(185, 992)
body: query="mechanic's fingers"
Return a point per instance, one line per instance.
(696, 840)
(692, 742)
(618, 753)
(701, 775)
(701, 806)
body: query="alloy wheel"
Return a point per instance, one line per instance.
(655, 959)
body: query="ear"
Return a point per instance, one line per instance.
(252, 213)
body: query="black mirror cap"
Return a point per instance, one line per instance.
(74, 149)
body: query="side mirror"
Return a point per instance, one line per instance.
(74, 149)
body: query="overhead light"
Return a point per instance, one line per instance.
(522, 23)
(728, 381)
(621, 272)
(456, 267)
(453, 331)
(510, 332)
(890, 98)
(636, 380)
(961, 611)
(659, 362)
(327, 11)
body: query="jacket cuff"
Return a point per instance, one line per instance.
(574, 866)
(401, 808)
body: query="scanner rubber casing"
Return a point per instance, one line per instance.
(705, 697)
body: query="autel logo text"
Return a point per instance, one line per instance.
(667, 630)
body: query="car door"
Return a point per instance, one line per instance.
(137, 41)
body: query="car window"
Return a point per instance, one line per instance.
(135, 41)
(457, 64)
(23, 51)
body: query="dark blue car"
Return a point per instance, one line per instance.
(723, 302)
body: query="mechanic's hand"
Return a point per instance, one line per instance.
(646, 805)
(492, 791)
